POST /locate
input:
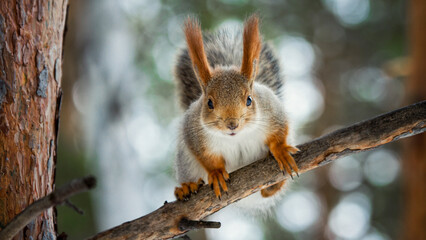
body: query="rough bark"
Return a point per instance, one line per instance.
(164, 222)
(414, 167)
(31, 37)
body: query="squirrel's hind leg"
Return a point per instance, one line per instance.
(271, 190)
(183, 193)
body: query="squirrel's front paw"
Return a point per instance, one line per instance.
(183, 193)
(285, 161)
(216, 177)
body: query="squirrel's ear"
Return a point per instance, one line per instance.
(194, 39)
(251, 47)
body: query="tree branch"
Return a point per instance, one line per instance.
(36, 208)
(164, 222)
(186, 224)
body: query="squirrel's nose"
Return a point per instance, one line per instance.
(232, 124)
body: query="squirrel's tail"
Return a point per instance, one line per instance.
(224, 48)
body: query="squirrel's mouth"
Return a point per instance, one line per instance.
(232, 134)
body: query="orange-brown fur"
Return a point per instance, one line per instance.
(271, 190)
(277, 143)
(219, 89)
(251, 47)
(194, 38)
(217, 174)
(188, 188)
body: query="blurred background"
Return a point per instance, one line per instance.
(343, 60)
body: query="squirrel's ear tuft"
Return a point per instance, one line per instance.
(251, 47)
(194, 39)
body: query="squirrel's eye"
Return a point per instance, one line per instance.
(248, 101)
(210, 103)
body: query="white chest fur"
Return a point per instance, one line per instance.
(241, 149)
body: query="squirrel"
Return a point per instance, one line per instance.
(229, 85)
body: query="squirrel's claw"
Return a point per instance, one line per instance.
(285, 161)
(290, 173)
(183, 193)
(200, 182)
(217, 180)
(292, 149)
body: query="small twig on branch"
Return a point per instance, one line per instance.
(187, 225)
(36, 208)
(363, 136)
(73, 207)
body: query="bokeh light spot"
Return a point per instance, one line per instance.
(351, 217)
(345, 174)
(305, 102)
(298, 211)
(297, 56)
(381, 167)
(163, 54)
(349, 12)
(145, 135)
(367, 84)
(236, 227)
(143, 9)
(374, 235)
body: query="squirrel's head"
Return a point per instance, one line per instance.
(227, 93)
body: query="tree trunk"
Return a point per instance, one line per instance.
(31, 38)
(415, 147)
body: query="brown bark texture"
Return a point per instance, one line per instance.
(164, 222)
(31, 38)
(414, 167)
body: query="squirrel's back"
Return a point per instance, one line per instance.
(224, 48)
